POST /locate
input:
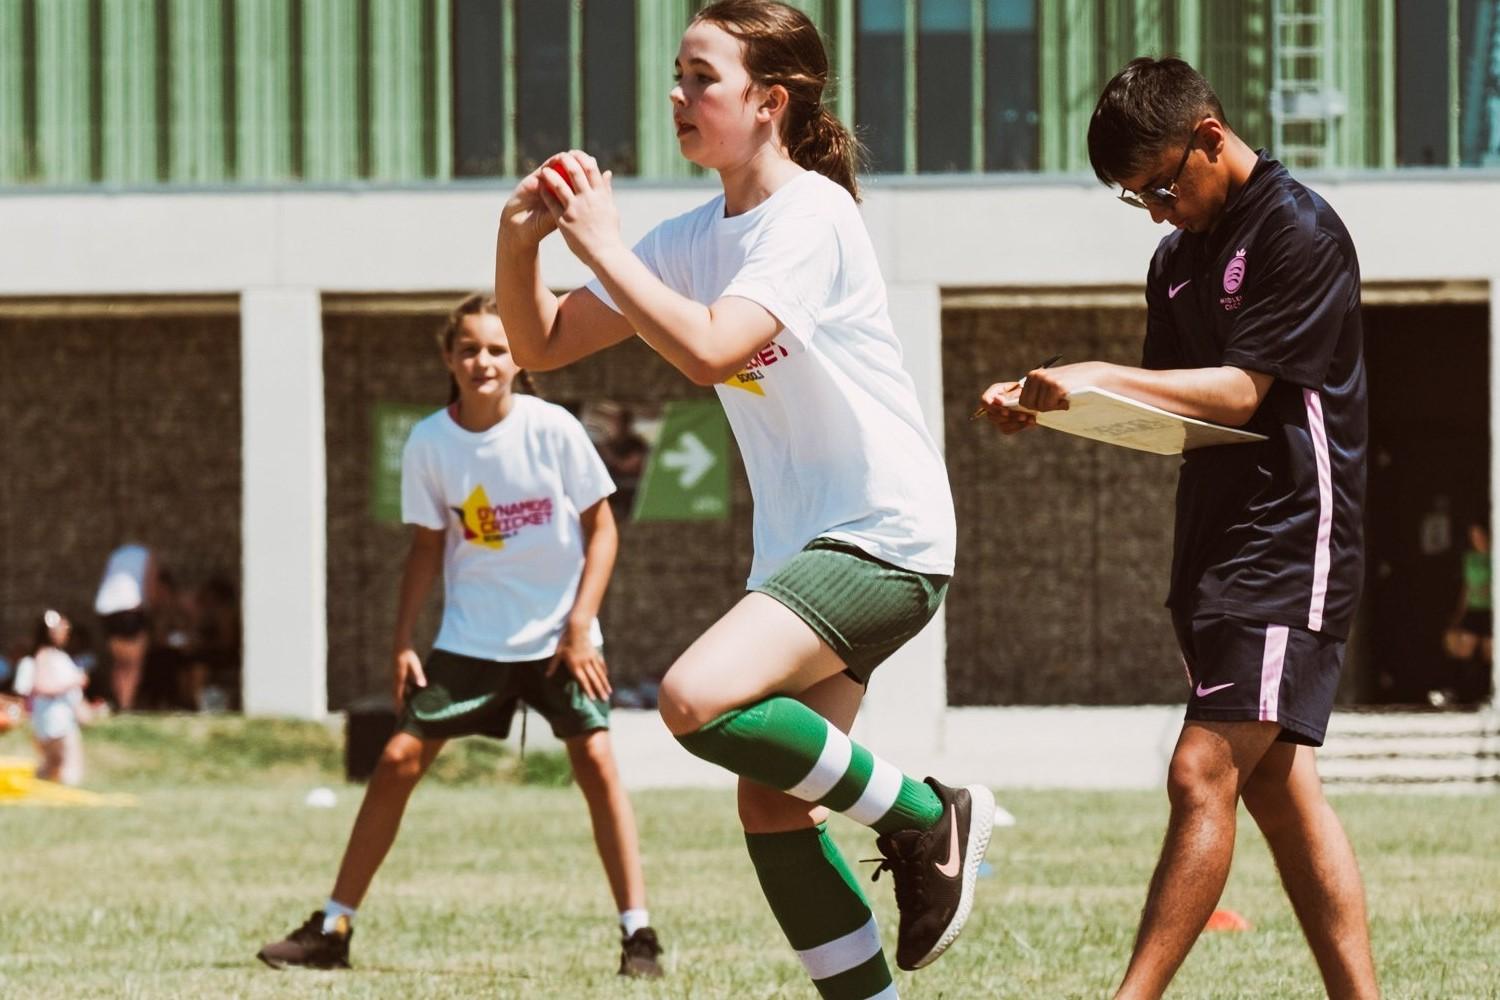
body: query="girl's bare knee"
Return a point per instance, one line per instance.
(683, 707)
(400, 762)
(592, 757)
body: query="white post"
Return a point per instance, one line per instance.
(1494, 457)
(285, 491)
(903, 713)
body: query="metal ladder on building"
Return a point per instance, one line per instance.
(1306, 107)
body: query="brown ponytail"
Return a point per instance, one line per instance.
(782, 46)
(475, 305)
(827, 147)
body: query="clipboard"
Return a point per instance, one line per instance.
(1101, 415)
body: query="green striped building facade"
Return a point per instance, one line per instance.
(277, 92)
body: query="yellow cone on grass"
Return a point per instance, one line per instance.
(19, 786)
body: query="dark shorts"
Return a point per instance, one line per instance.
(467, 696)
(1240, 670)
(863, 607)
(125, 624)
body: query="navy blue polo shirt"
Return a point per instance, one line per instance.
(1272, 531)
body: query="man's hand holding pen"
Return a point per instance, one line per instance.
(1012, 406)
(999, 402)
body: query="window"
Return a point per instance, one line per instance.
(542, 60)
(945, 86)
(1010, 85)
(478, 112)
(609, 85)
(880, 83)
(1421, 89)
(932, 96)
(1479, 82)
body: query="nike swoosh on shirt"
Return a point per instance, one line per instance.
(949, 868)
(1172, 290)
(1204, 692)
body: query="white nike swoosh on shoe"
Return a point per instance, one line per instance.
(1172, 290)
(949, 868)
(1204, 692)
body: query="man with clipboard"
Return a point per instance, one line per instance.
(1253, 321)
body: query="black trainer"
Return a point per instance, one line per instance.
(935, 871)
(309, 947)
(639, 953)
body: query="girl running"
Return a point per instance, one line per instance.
(508, 500)
(772, 294)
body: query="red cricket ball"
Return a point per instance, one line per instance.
(556, 163)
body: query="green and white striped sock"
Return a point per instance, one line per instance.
(782, 743)
(817, 902)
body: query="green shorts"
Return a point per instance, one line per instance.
(863, 607)
(467, 696)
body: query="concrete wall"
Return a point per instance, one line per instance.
(281, 249)
(1064, 547)
(116, 425)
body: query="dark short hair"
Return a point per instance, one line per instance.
(1149, 106)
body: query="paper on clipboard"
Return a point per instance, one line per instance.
(1101, 415)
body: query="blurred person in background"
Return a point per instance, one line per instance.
(1469, 638)
(209, 680)
(54, 683)
(126, 594)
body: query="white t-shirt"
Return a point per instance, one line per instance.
(508, 499)
(825, 415)
(123, 587)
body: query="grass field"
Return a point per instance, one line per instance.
(494, 889)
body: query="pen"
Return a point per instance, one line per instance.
(1045, 364)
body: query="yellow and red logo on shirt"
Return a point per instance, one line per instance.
(488, 526)
(750, 376)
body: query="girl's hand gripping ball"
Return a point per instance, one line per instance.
(559, 167)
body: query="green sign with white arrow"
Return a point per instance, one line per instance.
(390, 426)
(687, 475)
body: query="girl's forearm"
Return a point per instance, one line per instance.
(422, 568)
(674, 326)
(528, 309)
(600, 548)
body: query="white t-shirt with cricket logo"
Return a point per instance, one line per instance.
(825, 415)
(508, 499)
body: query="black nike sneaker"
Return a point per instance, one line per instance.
(935, 870)
(639, 953)
(308, 947)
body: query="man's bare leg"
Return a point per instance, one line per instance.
(1212, 762)
(1318, 870)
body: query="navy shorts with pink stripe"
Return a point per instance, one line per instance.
(1245, 671)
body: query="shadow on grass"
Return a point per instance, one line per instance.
(256, 967)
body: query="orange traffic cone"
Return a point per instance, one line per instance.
(1226, 920)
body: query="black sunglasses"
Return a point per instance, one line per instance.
(1162, 197)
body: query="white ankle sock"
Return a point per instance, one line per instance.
(332, 910)
(633, 920)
